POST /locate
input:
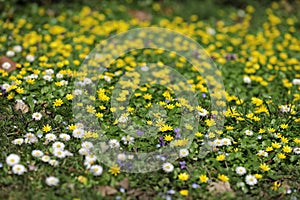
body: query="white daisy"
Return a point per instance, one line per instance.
(296, 150)
(45, 158)
(218, 142)
(183, 153)
(37, 116)
(53, 163)
(64, 137)
(203, 112)
(123, 119)
(50, 137)
(113, 143)
(10, 53)
(226, 141)
(87, 145)
(17, 48)
(83, 151)
(247, 79)
(30, 58)
(52, 181)
(96, 170)
(19, 169)
(167, 167)
(127, 139)
(12, 159)
(121, 157)
(240, 170)
(58, 145)
(37, 153)
(251, 180)
(78, 133)
(30, 138)
(47, 77)
(249, 133)
(59, 153)
(6, 65)
(59, 75)
(296, 81)
(18, 141)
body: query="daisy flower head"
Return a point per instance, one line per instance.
(12, 159)
(37, 153)
(17, 48)
(113, 143)
(83, 151)
(251, 180)
(167, 167)
(53, 162)
(127, 139)
(87, 145)
(18, 169)
(45, 158)
(6, 65)
(249, 132)
(18, 141)
(226, 141)
(78, 133)
(121, 157)
(30, 58)
(96, 170)
(64, 137)
(50, 137)
(240, 170)
(296, 150)
(52, 181)
(247, 80)
(183, 153)
(59, 153)
(58, 145)
(37, 116)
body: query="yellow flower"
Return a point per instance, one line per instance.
(20, 90)
(223, 178)
(47, 128)
(99, 115)
(258, 176)
(183, 176)
(281, 156)
(198, 134)
(264, 167)
(115, 170)
(203, 178)
(287, 149)
(72, 127)
(168, 138)
(184, 192)
(269, 149)
(276, 145)
(229, 128)
(82, 179)
(284, 126)
(221, 157)
(296, 140)
(147, 96)
(58, 102)
(69, 96)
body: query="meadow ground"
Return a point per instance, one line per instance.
(236, 137)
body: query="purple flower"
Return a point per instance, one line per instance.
(161, 141)
(139, 132)
(203, 95)
(177, 136)
(195, 185)
(182, 165)
(176, 130)
(167, 101)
